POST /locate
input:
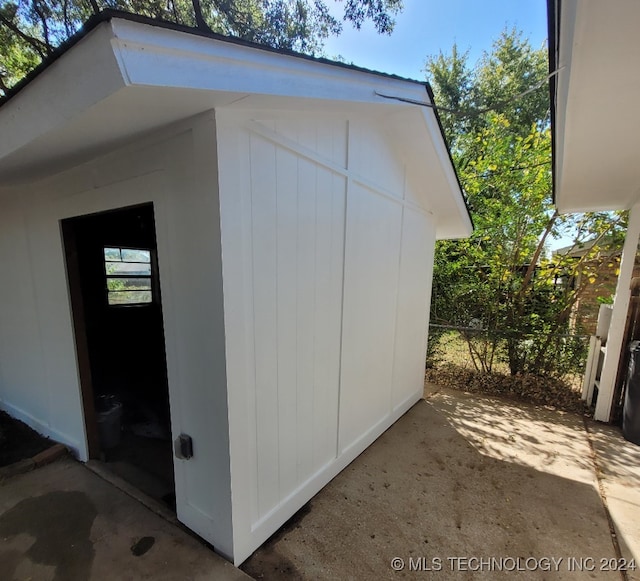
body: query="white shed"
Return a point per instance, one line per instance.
(224, 242)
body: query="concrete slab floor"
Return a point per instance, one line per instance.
(618, 464)
(464, 487)
(461, 482)
(62, 522)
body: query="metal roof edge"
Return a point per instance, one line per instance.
(553, 42)
(448, 148)
(109, 14)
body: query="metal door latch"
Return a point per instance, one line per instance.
(183, 447)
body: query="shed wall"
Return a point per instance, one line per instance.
(327, 277)
(176, 171)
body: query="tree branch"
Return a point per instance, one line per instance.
(35, 43)
(536, 255)
(94, 6)
(171, 7)
(200, 21)
(45, 26)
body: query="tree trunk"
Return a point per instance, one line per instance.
(200, 21)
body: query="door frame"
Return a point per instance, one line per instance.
(70, 245)
(78, 317)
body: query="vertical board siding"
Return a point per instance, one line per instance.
(327, 280)
(287, 344)
(416, 260)
(21, 357)
(332, 141)
(172, 169)
(297, 224)
(327, 138)
(306, 331)
(234, 166)
(416, 194)
(329, 260)
(264, 224)
(370, 287)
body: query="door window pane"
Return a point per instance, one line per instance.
(130, 255)
(128, 276)
(127, 268)
(129, 297)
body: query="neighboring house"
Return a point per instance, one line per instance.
(224, 243)
(597, 291)
(594, 47)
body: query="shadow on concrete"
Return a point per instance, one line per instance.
(619, 467)
(620, 458)
(457, 476)
(548, 440)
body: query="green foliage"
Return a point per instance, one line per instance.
(30, 30)
(510, 69)
(454, 87)
(17, 56)
(608, 300)
(513, 301)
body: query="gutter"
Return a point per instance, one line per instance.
(553, 32)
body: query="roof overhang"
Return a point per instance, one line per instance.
(125, 76)
(595, 44)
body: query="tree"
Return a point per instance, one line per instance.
(512, 300)
(455, 89)
(511, 69)
(30, 30)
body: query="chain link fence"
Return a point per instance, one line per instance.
(506, 352)
(549, 369)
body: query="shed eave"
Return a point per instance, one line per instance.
(126, 77)
(119, 60)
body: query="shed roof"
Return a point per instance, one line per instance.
(109, 13)
(140, 73)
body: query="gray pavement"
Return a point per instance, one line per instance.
(62, 522)
(465, 487)
(461, 487)
(618, 463)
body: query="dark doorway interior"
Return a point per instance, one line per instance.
(115, 294)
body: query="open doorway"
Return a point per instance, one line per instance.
(114, 285)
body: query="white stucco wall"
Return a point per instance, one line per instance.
(327, 261)
(176, 170)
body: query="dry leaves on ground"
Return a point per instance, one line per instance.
(534, 389)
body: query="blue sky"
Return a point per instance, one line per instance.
(426, 27)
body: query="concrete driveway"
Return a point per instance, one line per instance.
(462, 487)
(62, 522)
(468, 487)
